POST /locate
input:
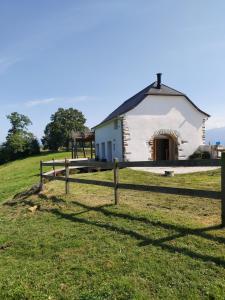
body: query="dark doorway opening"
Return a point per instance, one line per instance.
(162, 149)
(165, 147)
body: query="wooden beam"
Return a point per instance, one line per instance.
(55, 163)
(83, 148)
(150, 163)
(172, 163)
(41, 176)
(223, 190)
(51, 177)
(72, 150)
(91, 149)
(53, 167)
(67, 174)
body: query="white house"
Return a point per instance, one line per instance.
(158, 123)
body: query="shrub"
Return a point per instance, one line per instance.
(196, 155)
(206, 155)
(200, 155)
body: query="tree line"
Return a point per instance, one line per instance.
(20, 142)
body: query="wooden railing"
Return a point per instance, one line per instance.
(116, 165)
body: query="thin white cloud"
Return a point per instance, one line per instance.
(6, 63)
(32, 103)
(66, 100)
(215, 122)
(78, 99)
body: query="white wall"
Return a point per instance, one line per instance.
(107, 133)
(163, 113)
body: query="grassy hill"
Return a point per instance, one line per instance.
(21, 174)
(80, 246)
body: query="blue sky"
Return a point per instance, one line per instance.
(93, 55)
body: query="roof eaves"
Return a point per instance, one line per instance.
(201, 111)
(181, 94)
(105, 122)
(149, 92)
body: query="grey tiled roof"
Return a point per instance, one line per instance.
(137, 98)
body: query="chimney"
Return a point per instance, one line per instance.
(158, 80)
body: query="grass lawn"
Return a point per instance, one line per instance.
(80, 246)
(21, 174)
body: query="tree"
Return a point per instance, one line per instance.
(18, 122)
(52, 137)
(34, 146)
(57, 133)
(19, 141)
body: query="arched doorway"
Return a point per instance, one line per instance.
(165, 147)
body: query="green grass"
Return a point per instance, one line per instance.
(21, 174)
(80, 246)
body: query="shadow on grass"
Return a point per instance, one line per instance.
(153, 188)
(53, 199)
(182, 230)
(161, 243)
(19, 197)
(144, 240)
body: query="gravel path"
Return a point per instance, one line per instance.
(177, 170)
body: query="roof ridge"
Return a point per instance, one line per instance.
(149, 86)
(129, 99)
(134, 100)
(173, 89)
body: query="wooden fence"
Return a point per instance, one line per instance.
(116, 165)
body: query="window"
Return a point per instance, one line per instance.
(116, 124)
(103, 151)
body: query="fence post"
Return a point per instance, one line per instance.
(41, 176)
(116, 180)
(91, 149)
(67, 173)
(223, 189)
(53, 166)
(72, 150)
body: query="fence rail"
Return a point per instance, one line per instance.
(127, 164)
(116, 165)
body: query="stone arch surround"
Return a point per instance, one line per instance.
(172, 133)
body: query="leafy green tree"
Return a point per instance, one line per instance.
(19, 141)
(34, 146)
(16, 143)
(52, 137)
(58, 132)
(18, 122)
